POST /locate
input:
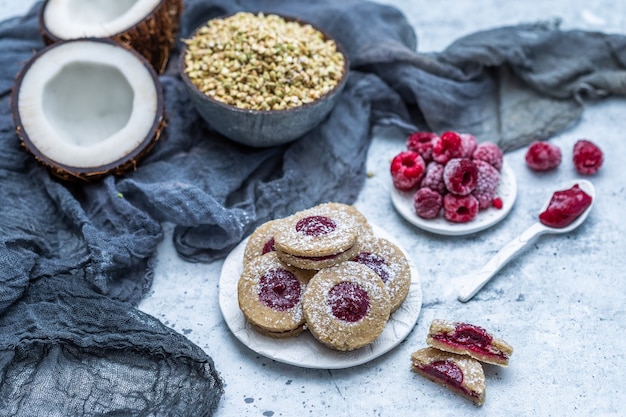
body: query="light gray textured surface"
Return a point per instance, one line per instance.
(560, 303)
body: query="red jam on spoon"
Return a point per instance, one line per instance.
(565, 206)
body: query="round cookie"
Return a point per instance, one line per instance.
(346, 306)
(261, 241)
(364, 228)
(318, 237)
(270, 295)
(389, 263)
(278, 335)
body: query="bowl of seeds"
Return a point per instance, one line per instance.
(262, 79)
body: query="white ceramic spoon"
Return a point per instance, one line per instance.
(478, 280)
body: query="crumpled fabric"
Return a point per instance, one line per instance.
(76, 259)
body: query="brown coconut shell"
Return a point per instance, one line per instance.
(124, 164)
(153, 37)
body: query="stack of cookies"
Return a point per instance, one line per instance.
(323, 270)
(454, 355)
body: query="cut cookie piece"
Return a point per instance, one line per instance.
(319, 237)
(467, 339)
(389, 263)
(346, 306)
(270, 295)
(460, 374)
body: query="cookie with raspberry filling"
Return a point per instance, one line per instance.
(363, 227)
(468, 339)
(261, 241)
(460, 374)
(318, 237)
(346, 306)
(389, 263)
(270, 296)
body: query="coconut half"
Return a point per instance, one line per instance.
(88, 108)
(149, 26)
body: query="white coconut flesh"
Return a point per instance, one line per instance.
(71, 19)
(87, 104)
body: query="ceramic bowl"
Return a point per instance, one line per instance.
(263, 128)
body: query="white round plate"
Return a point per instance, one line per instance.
(507, 191)
(304, 350)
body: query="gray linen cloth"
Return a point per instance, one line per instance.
(76, 259)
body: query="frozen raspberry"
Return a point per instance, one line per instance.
(460, 176)
(497, 203)
(459, 209)
(543, 156)
(433, 177)
(469, 144)
(486, 184)
(588, 158)
(489, 152)
(422, 143)
(407, 169)
(427, 203)
(447, 146)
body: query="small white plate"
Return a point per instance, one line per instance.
(304, 350)
(507, 191)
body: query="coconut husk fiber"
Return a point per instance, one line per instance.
(75, 259)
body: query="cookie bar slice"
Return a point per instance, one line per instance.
(468, 339)
(460, 374)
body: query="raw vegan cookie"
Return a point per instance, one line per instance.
(319, 237)
(389, 263)
(261, 241)
(270, 295)
(346, 306)
(458, 373)
(364, 228)
(467, 339)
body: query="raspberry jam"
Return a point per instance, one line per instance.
(268, 246)
(279, 289)
(315, 225)
(564, 207)
(320, 258)
(348, 302)
(446, 371)
(470, 337)
(375, 263)
(468, 334)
